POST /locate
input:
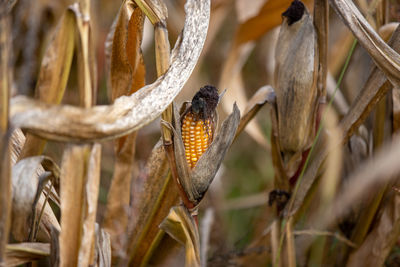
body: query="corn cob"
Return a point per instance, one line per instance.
(197, 136)
(198, 124)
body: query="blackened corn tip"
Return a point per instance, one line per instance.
(294, 12)
(209, 96)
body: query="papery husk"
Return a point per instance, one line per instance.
(295, 77)
(209, 163)
(195, 182)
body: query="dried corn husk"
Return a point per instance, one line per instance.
(196, 182)
(295, 78)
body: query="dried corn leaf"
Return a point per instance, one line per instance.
(126, 56)
(56, 62)
(55, 248)
(53, 75)
(180, 225)
(383, 236)
(17, 142)
(376, 86)
(72, 180)
(127, 113)
(291, 249)
(118, 199)
(155, 10)
(20, 253)
(28, 200)
(79, 192)
(384, 56)
(151, 206)
(127, 76)
(87, 245)
(87, 76)
(387, 30)
(80, 186)
(332, 172)
(5, 70)
(265, 94)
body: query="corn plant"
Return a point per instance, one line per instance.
(160, 173)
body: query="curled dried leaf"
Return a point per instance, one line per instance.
(127, 113)
(28, 200)
(53, 75)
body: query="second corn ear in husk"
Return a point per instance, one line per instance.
(296, 79)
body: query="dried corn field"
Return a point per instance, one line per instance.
(199, 133)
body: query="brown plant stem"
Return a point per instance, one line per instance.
(321, 23)
(5, 181)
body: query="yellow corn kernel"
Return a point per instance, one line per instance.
(197, 136)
